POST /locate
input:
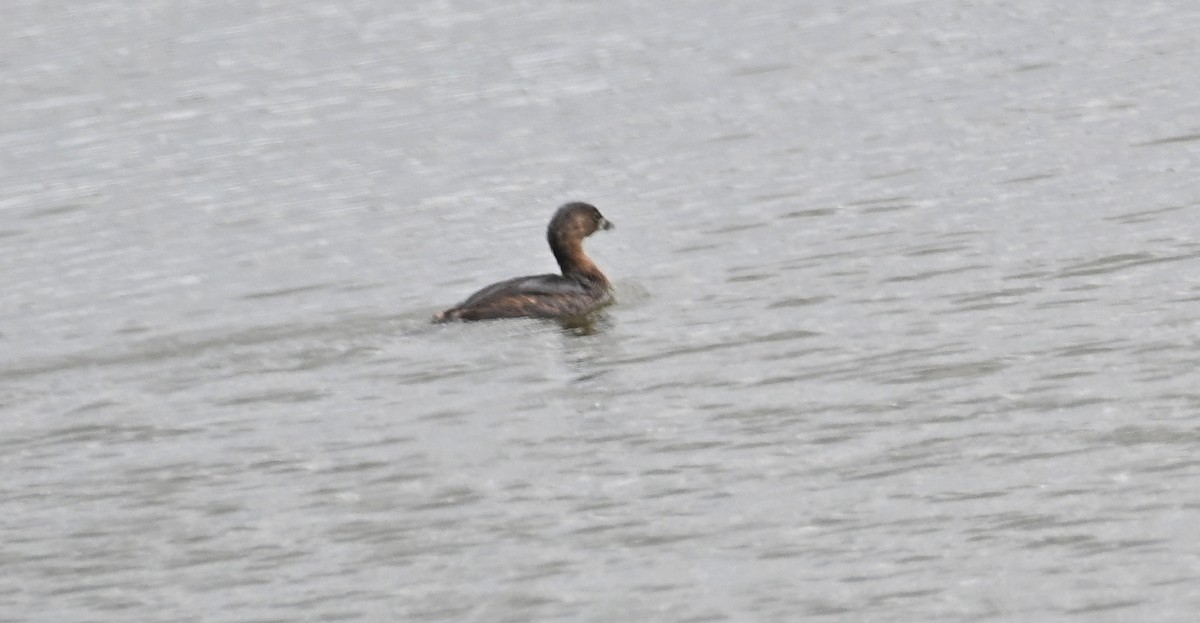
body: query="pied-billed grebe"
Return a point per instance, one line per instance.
(579, 290)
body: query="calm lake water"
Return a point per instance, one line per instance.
(907, 325)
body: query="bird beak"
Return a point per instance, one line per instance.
(606, 224)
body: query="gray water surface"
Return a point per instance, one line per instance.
(907, 327)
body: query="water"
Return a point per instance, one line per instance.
(907, 326)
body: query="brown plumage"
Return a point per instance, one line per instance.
(580, 289)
